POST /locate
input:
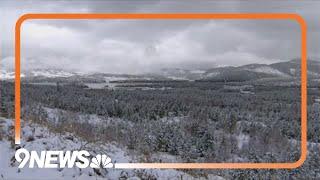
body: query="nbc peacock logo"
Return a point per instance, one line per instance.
(101, 161)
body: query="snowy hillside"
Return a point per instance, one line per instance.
(48, 73)
(266, 69)
(181, 74)
(51, 73)
(39, 138)
(5, 75)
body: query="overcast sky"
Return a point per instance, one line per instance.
(137, 46)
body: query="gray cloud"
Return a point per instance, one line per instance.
(134, 46)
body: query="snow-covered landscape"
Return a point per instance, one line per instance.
(106, 89)
(39, 138)
(144, 118)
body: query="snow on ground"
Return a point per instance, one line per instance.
(177, 78)
(213, 74)
(242, 140)
(41, 140)
(310, 73)
(268, 70)
(96, 85)
(51, 73)
(6, 75)
(38, 138)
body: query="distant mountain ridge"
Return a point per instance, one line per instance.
(288, 69)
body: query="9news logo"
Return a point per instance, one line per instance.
(61, 159)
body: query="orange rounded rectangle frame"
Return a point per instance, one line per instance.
(255, 16)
